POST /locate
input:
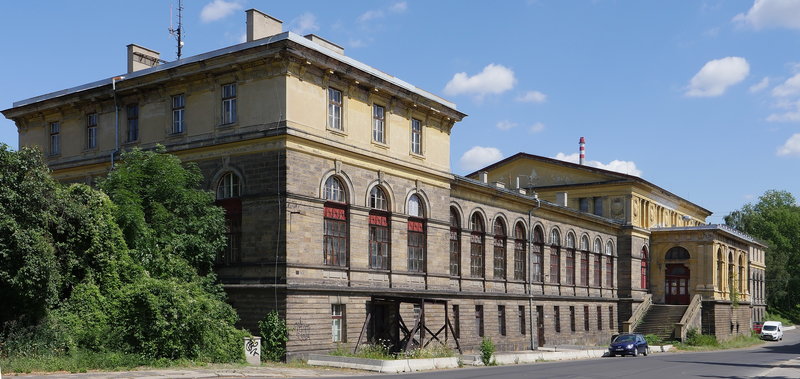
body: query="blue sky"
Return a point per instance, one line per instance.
(699, 97)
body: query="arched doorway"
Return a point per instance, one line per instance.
(677, 284)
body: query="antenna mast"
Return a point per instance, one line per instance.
(178, 33)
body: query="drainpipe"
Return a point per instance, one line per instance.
(534, 346)
(116, 118)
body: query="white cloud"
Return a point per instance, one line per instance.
(536, 128)
(791, 147)
(758, 87)
(791, 115)
(305, 23)
(772, 14)
(479, 157)
(357, 42)
(532, 97)
(370, 15)
(717, 75)
(399, 7)
(505, 125)
(218, 9)
(494, 79)
(788, 88)
(625, 167)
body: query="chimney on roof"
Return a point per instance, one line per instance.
(582, 145)
(261, 25)
(561, 199)
(325, 43)
(484, 176)
(140, 58)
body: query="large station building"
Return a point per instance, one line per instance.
(344, 215)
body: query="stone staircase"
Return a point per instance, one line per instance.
(660, 320)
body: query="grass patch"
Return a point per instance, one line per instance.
(381, 351)
(700, 342)
(85, 361)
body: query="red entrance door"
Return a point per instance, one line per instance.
(677, 284)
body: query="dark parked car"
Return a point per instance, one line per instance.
(628, 344)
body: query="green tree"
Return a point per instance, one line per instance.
(775, 219)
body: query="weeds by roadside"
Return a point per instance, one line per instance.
(701, 342)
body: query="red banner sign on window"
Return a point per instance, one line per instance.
(378, 220)
(335, 213)
(415, 226)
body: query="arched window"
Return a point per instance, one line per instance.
(228, 197)
(537, 259)
(379, 229)
(499, 249)
(335, 241)
(731, 271)
(455, 242)
(609, 264)
(677, 253)
(416, 234)
(597, 251)
(644, 264)
(742, 275)
(519, 251)
(584, 260)
(555, 256)
(570, 259)
(720, 270)
(476, 248)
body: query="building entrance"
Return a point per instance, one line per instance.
(677, 284)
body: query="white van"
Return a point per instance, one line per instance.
(772, 330)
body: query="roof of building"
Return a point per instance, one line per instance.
(243, 46)
(614, 177)
(713, 227)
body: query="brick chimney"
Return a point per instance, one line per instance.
(261, 25)
(140, 58)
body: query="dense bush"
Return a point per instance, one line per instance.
(124, 273)
(274, 334)
(487, 350)
(694, 338)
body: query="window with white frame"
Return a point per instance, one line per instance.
(378, 123)
(229, 103)
(416, 136)
(338, 331)
(335, 109)
(178, 111)
(91, 130)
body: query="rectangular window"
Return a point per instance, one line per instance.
(585, 317)
(378, 242)
(570, 267)
(519, 260)
(476, 255)
(455, 252)
(572, 318)
(555, 265)
(228, 103)
(599, 318)
(598, 206)
(378, 123)
(338, 331)
(499, 257)
(501, 319)
(55, 138)
(335, 237)
(91, 130)
(416, 136)
(597, 270)
(133, 122)
(557, 318)
(611, 318)
(479, 320)
(416, 246)
(583, 204)
(585, 268)
(522, 325)
(335, 109)
(178, 108)
(456, 321)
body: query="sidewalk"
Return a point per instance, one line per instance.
(262, 371)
